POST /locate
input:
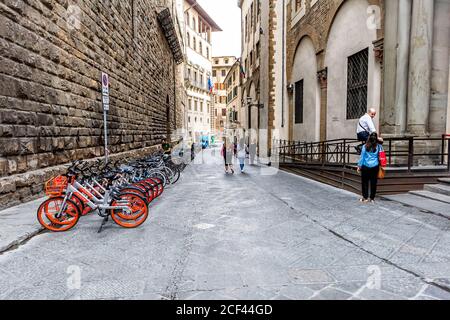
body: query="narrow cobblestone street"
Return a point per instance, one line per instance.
(247, 236)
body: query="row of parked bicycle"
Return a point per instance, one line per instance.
(121, 190)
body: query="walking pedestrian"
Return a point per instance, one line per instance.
(241, 154)
(227, 153)
(369, 166)
(192, 151)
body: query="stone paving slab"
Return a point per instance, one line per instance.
(18, 224)
(251, 236)
(422, 203)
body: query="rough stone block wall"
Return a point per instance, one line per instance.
(52, 53)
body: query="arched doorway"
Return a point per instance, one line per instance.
(354, 76)
(306, 100)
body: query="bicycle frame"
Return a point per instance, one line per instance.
(91, 200)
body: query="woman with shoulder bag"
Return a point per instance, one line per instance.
(371, 168)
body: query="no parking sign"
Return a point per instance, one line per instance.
(105, 91)
(105, 103)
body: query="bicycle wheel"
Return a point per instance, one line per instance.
(159, 185)
(169, 174)
(138, 190)
(160, 175)
(148, 187)
(176, 174)
(82, 205)
(48, 210)
(139, 211)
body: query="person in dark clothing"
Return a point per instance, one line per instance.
(369, 165)
(192, 151)
(227, 153)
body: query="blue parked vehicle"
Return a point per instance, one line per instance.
(205, 142)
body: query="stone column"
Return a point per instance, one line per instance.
(419, 93)
(448, 103)
(323, 82)
(404, 36)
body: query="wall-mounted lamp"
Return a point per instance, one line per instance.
(290, 88)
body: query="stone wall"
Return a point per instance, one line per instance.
(52, 53)
(314, 21)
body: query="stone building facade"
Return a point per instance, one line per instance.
(221, 67)
(198, 27)
(236, 117)
(261, 58)
(52, 54)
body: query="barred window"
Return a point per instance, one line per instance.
(357, 75)
(299, 101)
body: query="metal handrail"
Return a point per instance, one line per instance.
(339, 151)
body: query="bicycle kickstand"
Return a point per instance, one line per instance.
(105, 220)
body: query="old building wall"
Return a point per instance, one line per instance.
(349, 35)
(308, 130)
(51, 59)
(440, 68)
(316, 19)
(416, 58)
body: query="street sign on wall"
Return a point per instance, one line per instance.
(105, 91)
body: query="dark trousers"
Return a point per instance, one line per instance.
(363, 136)
(369, 177)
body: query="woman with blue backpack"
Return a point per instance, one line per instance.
(369, 166)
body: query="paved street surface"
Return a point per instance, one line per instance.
(247, 236)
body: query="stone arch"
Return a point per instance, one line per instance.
(335, 11)
(304, 68)
(348, 34)
(307, 32)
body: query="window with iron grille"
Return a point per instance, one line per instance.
(299, 101)
(357, 74)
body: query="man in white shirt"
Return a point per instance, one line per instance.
(365, 128)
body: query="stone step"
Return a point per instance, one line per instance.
(444, 180)
(422, 203)
(438, 188)
(432, 196)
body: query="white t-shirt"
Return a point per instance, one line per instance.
(366, 122)
(241, 152)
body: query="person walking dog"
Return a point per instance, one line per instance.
(371, 168)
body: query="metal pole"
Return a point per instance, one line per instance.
(106, 135)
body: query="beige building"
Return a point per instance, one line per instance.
(313, 67)
(261, 60)
(221, 67)
(199, 27)
(344, 57)
(234, 110)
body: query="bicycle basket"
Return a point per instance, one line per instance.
(56, 186)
